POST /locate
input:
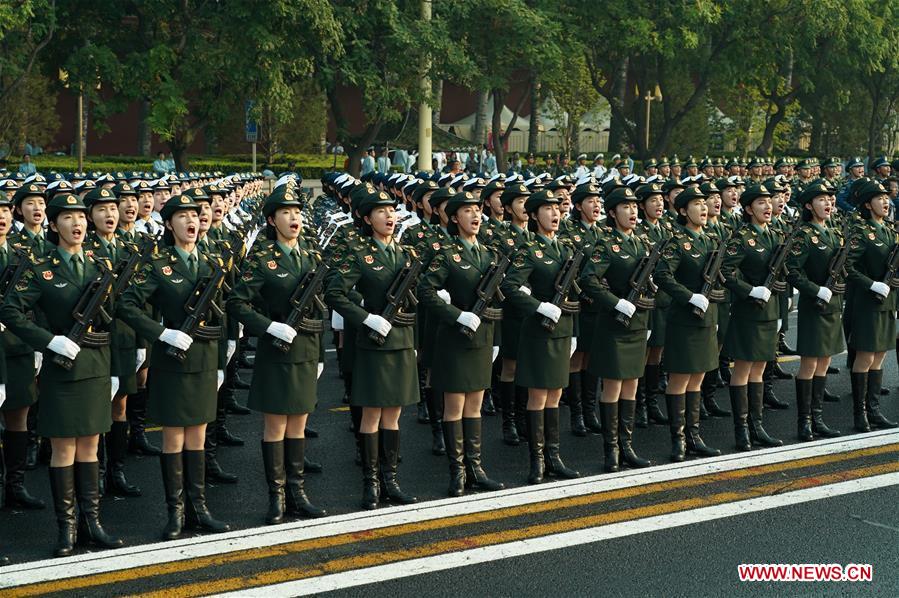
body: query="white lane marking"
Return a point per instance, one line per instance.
(533, 546)
(266, 536)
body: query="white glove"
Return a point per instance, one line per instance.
(114, 386)
(762, 293)
(573, 346)
(282, 331)
(2, 394)
(378, 324)
(444, 294)
(219, 378)
(64, 346)
(525, 290)
(321, 368)
(176, 338)
(881, 288)
(38, 362)
(700, 301)
(626, 307)
(230, 350)
(550, 311)
(824, 294)
(494, 355)
(469, 320)
(141, 358)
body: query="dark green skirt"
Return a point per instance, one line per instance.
(73, 409)
(284, 388)
(873, 331)
(184, 400)
(126, 372)
(451, 374)
(586, 329)
(21, 387)
(384, 378)
(348, 357)
(819, 335)
(751, 340)
(511, 331)
(723, 321)
(690, 349)
(658, 324)
(547, 368)
(619, 353)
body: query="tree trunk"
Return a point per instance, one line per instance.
(144, 139)
(497, 129)
(480, 119)
(437, 91)
(815, 138)
(767, 144)
(534, 126)
(354, 155)
(619, 92)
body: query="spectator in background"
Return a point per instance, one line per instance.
(384, 161)
(27, 167)
(472, 164)
(368, 162)
(489, 164)
(401, 159)
(160, 164)
(171, 162)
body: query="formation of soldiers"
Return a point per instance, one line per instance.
(128, 298)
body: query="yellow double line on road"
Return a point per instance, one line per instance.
(349, 563)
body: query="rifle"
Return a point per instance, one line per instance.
(90, 306)
(202, 300)
(140, 255)
(11, 275)
(711, 276)
(837, 268)
(400, 290)
(641, 281)
(488, 289)
(774, 280)
(892, 276)
(301, 301)
(566, 280)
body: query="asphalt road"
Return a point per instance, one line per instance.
(697, 559)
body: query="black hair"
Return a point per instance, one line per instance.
(863, 211)
(270, 232)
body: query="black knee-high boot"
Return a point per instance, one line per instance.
(15, 449)
(390, 450)
(90, 530)
(276, 478)
(676, 418)
(608, 414)
(626, 434)
(370, 484)
(589, 390)
(536, 440)
(574, 404)
(554, 464)
(435, 411)
(819, 390)
(295, 492)
(757, 433)
(197, 512)
(507, 405)
(859, 382)
(116, 447)
(739, 405)
(695, 444)
(452, 438)
(651, 377)
(475, 476)
(62, 486)
(804, 410)
(173, 483)
(875, 418)
(138, 443)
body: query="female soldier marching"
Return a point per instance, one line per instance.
(752, 332)
(103, 216)
(388, 368)
(543, 355)
(873, 310)
(820, 333)
(618, 351)
(182, 392)
(691, 345)
(285, 377)
(465, 364)
(75, 400)
(19, 381)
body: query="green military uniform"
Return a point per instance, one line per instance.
(74, 402)
(464, 364)
(691, 345)
(752, 332)
(437, 238)
(181, 393)
(616, 352)
(21, 386)
(873, 323)
(658, 317)
(820, 332)
(388, 370)
(283, 383)
(542, 356)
